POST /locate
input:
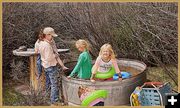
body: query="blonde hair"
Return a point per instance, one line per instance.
(83, 43)
(109, 47)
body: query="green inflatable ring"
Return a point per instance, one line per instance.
(105, 75)
(94, 95)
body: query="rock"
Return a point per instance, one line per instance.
(23, 89)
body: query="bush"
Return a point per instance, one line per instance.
(143, 31)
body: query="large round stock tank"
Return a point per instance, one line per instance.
(119, 91)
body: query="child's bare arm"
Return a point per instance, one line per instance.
(116, 66)
(61, 63)
(94, 70)
(92, 78)
(36, 51)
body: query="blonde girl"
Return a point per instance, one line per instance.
(105, 61)
(83, 66)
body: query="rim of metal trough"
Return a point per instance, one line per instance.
(119, 60)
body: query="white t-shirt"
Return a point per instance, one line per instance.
(104, 66)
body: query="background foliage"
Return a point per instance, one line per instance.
(143, 31)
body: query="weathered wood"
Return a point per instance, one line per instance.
(42, 81)
(33, 73)
(30, 52)
(37, 84)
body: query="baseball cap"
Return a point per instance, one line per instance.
(49, 30)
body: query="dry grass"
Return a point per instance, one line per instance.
(158, 74)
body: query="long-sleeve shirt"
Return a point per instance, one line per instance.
(47, 55)
(36, 46)
(83, 66)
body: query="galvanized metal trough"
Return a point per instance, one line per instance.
(119, 91)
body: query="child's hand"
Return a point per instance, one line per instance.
(68, 77)
(92, 80)
(38, 77)
(120, 76)
(120, 79)
(65, 68)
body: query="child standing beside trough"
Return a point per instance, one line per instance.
(83, 66)
(50, 59)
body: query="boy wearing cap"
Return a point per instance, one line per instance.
(50, 59)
